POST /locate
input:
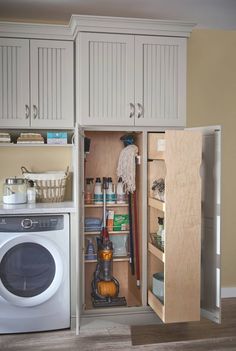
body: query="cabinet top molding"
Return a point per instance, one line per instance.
(102, 24)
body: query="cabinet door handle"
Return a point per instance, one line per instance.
(140, 110)
(132, 110)
(27, 111)
(35, 111)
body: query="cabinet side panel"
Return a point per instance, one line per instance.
(183, 226)
(210, 274)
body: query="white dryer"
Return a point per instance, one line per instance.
(34, 273)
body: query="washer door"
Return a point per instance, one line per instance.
(31, 270)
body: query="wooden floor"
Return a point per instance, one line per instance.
(119, 338)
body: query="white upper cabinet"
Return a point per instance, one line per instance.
(105, 79)
(14, 82)
(51, 66)
(160, 81)
(131, 80)
(36, 83)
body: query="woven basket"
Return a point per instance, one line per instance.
(50, 186)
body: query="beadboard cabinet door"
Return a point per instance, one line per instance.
(51, 66)
(105, 79)
(131, 80)
(14, 83)
(160, 81)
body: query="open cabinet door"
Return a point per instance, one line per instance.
(179, 260)
(80, 201)
(210, 238)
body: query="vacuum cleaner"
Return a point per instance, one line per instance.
(105, 287)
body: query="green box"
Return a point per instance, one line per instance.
(121, 222)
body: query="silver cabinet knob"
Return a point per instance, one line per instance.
(27, 111)
(132, 110)
(35, 111)
(140, 110)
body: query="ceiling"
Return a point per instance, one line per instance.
(217, 14)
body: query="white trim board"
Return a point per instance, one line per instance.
(228, 292)
(104, 24)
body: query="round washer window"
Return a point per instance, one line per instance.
(27, 269)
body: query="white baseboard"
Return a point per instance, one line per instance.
(228, 292)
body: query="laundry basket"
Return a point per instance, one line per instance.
(50, 186)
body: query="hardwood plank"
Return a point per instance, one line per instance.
(187, 332)
(119, 338)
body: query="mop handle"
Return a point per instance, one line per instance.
(105, 187)
(136, 240)
(131, 242)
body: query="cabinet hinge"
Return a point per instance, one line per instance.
(138, 160)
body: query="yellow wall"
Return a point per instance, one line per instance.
(35, 159)
(211, 99)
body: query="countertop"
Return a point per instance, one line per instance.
(44, 208)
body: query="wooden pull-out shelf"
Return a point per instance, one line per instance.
(180, 262)
(156, 252)
(122, 232)
(156, 305)
(107, 205)
(115, 259)
(157, 204)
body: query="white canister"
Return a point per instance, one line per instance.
(15, 191)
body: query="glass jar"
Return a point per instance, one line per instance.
(15, 191)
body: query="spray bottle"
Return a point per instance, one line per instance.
(98, 196)
(160, 234)
(120, 193)
(110, 193)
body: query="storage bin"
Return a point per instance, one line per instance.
(120, 244)
(50, 186)
(158, 285)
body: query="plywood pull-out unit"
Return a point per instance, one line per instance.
(179, 165)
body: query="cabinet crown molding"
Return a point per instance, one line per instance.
(102, 24)
(125, 25)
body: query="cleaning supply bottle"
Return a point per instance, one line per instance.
(90, 251)
(160, 234)
(88, 195)
(120, 193)
(98, 196)
(110, 193)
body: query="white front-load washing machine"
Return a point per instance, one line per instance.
(34, 273)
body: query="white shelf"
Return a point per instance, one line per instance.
(43, 208)
(34, 145)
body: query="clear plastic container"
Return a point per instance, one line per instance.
(15, 191)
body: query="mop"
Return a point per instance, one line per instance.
(127, 171)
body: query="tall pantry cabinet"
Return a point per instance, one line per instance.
(133, 79)
(189, 161)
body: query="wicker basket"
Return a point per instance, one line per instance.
(50, 186)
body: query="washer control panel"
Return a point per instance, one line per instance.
(31, 223)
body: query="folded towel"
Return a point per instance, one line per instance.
(93, 224)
